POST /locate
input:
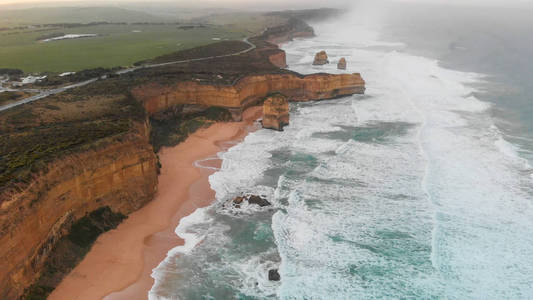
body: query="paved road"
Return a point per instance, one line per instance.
(47, 93)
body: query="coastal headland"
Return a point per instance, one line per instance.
(75, 164)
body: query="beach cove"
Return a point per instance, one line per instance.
(120, 262)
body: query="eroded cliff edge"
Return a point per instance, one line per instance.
(87, 157)
(248, 91)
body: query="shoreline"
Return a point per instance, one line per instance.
(120, 263)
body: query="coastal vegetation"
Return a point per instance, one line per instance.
(11, 96)
(173, 126)
(34, 135)
(212, 50)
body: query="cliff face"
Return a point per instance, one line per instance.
(121, 175)
(249, 91)
(276, 112)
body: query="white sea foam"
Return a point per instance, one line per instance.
(191, 238)
(192, 233)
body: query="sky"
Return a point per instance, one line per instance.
(251, 3)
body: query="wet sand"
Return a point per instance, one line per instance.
(121, 261)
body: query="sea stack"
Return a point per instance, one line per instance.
(342, 64)
(276, 112)
(273, 275)
(321, 58)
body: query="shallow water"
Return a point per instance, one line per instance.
(409, 191)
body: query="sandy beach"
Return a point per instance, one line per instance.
(121, 261)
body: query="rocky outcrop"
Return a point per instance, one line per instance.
(278, 59)
(276, 112)
(342, 64)
(273, 275)
(321, 58)
(248, 91)
(251, 199)
(120, 174)
(294, 28)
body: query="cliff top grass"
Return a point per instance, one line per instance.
(35, 134)
(10, 97)
(212, 50)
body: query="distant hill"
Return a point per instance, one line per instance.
(54, 15)
(318, 14)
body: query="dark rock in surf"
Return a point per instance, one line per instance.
(273, 275)
(258, 201)
(251, 199)
(238, 200)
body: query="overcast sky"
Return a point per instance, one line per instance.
(278, 3)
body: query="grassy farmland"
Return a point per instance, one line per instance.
(115, 45)
(133, 36)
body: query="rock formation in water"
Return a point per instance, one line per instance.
(321, 58)
(342, 64)
(251, 199)
(276, 112)
(273, 275)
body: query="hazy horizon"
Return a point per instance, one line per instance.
(257, 4)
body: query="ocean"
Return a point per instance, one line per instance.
(420, 189)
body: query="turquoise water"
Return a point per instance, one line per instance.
(412, 191)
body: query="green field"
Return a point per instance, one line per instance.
(116, 45)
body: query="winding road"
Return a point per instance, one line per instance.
(46, 93)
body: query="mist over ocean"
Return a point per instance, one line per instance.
(420, 189)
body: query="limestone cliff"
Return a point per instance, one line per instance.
(248, 91)
(119, 174)
(276, 112)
